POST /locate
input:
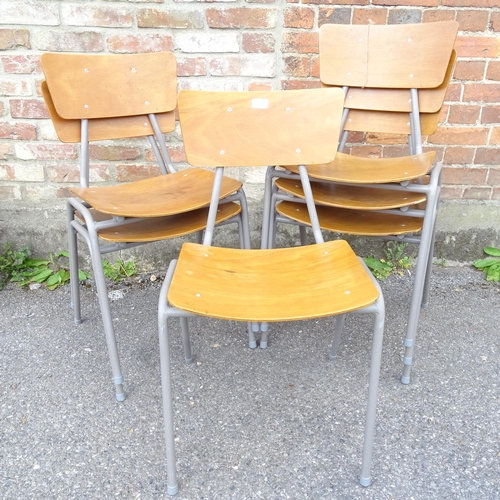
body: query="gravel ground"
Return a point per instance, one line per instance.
(280, 423)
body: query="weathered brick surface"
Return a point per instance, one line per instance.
(233, 45)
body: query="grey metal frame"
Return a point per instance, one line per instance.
(165, 311)
(421, 287)
(89, 230)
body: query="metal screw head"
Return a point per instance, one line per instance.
(411, 76)
(133, 70)
(146, 103)
(86, 70)
(348, 74)
(409, 39)
(297, 150)
(229, 109)
(85, 105)
(222, 152)
(287, 109)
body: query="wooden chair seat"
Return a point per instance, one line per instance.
(356, 170)
(356, 222)
(352, 197)
(159, 228)
(157, 196)
(277, 283)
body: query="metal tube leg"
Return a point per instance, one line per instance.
(264, 328)
(252, 328)
(268, 192)
(303, 235)
(102, 292)
(339, 325)
(185, 341)
(371, 413)
(168, 415)
(428, 272)
(73, 267)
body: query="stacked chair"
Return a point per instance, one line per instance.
(107, 97)
(244, 129)
(394, 79)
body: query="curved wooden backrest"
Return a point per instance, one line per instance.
(101, 129)
(104, 86)
(390, 56)
(260, 128)
(430, 99)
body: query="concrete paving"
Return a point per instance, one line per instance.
(280, 423)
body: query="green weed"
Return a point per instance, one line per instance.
(394, 263)
(490, 266)
(120, 270)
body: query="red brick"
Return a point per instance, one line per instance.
(495, 195)
(7, 173)
(258, 42)
(464, 114)
(300, 84)
(453, 92)
(435, 15)
(337, 2)
(95, 15)
(471, 3)
(366, 151)
(493, 71)
(41, 151)
(11, 87)
(191, 66)
(458, 155)
(407, 3)
(299, 66)
(260, 86)
(461, 176)
(244, 17)
(451, 193)
(495, 21)
(128, 173)
(86, 41)
(469, 70)
(2, 109)
(37, 13)
(369, 16)
(4, 151)
(177, 153)
(477, 193)
(490, 114)
(21, 64)
(71, 173)
(22, 131)
(302, 43)
(9, 193)
(477, 46)
(459, 135)
(494, 177)
(495, 136)
(373, 138)
(140, 43)
(258, 66)
(335, 15)
(315, 67)
(472, 20)
(28, 108)
(487, 156)
(299, 17)
(155, 18)
(261, 1)
(14, 38)
(480, 92)
(64, 192)
(113, 153)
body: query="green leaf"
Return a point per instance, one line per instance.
(82, 275)
(42, 276)
(482, 263)
(54, 279)
(495, 252)
(62, 254)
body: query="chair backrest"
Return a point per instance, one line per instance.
(260, 128)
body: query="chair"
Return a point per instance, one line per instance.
(231, 129)
(395, 79)
(107, 97)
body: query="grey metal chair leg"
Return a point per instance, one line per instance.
(252, 328)
(264, 328)
(339, 325)
(102, 292)
(185, 341)
(303, 235)
(73, 267)
(371, 413)
(168, 415)
(268, 192)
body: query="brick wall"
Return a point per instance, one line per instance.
(232, 44)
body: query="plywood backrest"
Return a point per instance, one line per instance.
(101, 129)
(260, 128)
(430, 99)
(386, 56)
(111, 85)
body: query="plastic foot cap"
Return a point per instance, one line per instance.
(172, 490)
(120, 397)
(365, 481)
(188, 361)
(332, 357)
(424, 305)
(263, 345)
(78, 322)
(405, 380)
(252, 345)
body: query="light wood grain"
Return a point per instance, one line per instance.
(353, 197)
(270, 285)
(356, 222)
(358, 170)
(157, 196)
(386, 56)
(101, 129)
(160, 228)
(110, 85)
(260, 128)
